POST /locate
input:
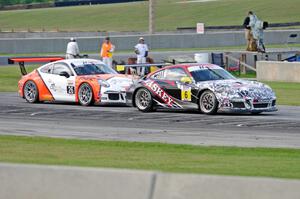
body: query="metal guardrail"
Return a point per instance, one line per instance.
(238, 27)
(239, 61)
(132, 68)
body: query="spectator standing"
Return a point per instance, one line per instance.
(247, 30)
(257, 31)
(72, 49)
(107, 50)
(141, 50)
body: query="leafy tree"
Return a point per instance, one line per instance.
(15, 2)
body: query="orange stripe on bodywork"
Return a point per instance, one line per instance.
(44, 93)
(92, 81)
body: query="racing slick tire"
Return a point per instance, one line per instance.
(208, 103)
(143, 100)
(31, 92)
(85, 95)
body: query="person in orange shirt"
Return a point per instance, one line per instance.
(107, 50)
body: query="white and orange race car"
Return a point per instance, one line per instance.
(85, 81)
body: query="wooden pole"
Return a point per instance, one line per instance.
(226, 62)
(279, 57)
(152, 16)
(255, 60)
(244, 59)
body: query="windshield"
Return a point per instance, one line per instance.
(92, 69)
(207, 74)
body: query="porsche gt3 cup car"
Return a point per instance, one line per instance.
(75, 80)
(207, 87)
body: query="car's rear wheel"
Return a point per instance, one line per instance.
(208, 103)
(31, 93)
(85, 94)
(143, 100)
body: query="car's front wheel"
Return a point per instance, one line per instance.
(85, 94)
(31, 93)
(143, 100)
(208, 103)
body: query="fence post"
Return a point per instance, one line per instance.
(255, 60)
(279, 57)
(243, 59)
(226, 62)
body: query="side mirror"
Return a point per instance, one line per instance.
(186, 80)
(65, 74)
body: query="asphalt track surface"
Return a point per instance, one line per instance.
(277, 129)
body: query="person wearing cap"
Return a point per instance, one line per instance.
(141, 50)
(107, 50)
(72, 49)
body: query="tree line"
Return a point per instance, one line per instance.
(16, 2)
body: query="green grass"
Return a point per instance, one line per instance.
(134, 16)
(249, 74)
(287, 93)
(283, 163)
(9, 77)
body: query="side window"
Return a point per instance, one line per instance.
(47, 69)
(159, 75)
(175, 74)
(60, 67)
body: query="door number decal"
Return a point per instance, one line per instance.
(71, 90)
(186, 94)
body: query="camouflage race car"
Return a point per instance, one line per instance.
(207, 87)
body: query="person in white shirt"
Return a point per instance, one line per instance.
(72, 49)
(141, 50)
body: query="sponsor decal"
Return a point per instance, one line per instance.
(159, 92)
(53, 87)
(202, 67)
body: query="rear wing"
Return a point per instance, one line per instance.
(23, 60)
(132, 68)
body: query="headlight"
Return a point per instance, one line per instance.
(103, 83)
(121, 82)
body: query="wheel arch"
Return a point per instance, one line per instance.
(94, 90)
(199, 97)
(200, 93)
(37, 86)
(135, 91)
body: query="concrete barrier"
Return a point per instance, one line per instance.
(61, 182)
(58, 182)
(49, 44)
(278, 71)
(184, 186)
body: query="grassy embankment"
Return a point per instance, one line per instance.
(134, 16)
(282, 163)
(287, 93)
